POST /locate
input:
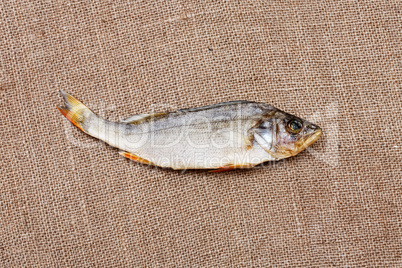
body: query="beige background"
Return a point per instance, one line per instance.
(68, 200)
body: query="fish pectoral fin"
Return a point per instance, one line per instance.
(135, 158)
(231, 167)
(140, 117)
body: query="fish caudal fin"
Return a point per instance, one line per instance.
(75, 111)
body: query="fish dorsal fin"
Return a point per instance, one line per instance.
(197, 109)
(140, 117)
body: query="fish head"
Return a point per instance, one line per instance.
(284, 135)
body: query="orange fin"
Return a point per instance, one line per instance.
(222, 169)
(135, 158)
(70, 117)
(231, 167)
(75, 111)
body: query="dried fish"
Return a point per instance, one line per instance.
(224, 136)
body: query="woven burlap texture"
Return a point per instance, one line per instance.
(68, 200)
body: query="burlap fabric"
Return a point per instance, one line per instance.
(68, 200)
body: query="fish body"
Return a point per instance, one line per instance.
(236, 134)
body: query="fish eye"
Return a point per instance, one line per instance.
(294, 126)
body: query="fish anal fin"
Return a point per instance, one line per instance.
(231, 167)
(135, 158)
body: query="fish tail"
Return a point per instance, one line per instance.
(76, 112)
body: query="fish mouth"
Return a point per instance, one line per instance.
(307, 142)
(310, 140)
(300, 146)
(284, 152)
